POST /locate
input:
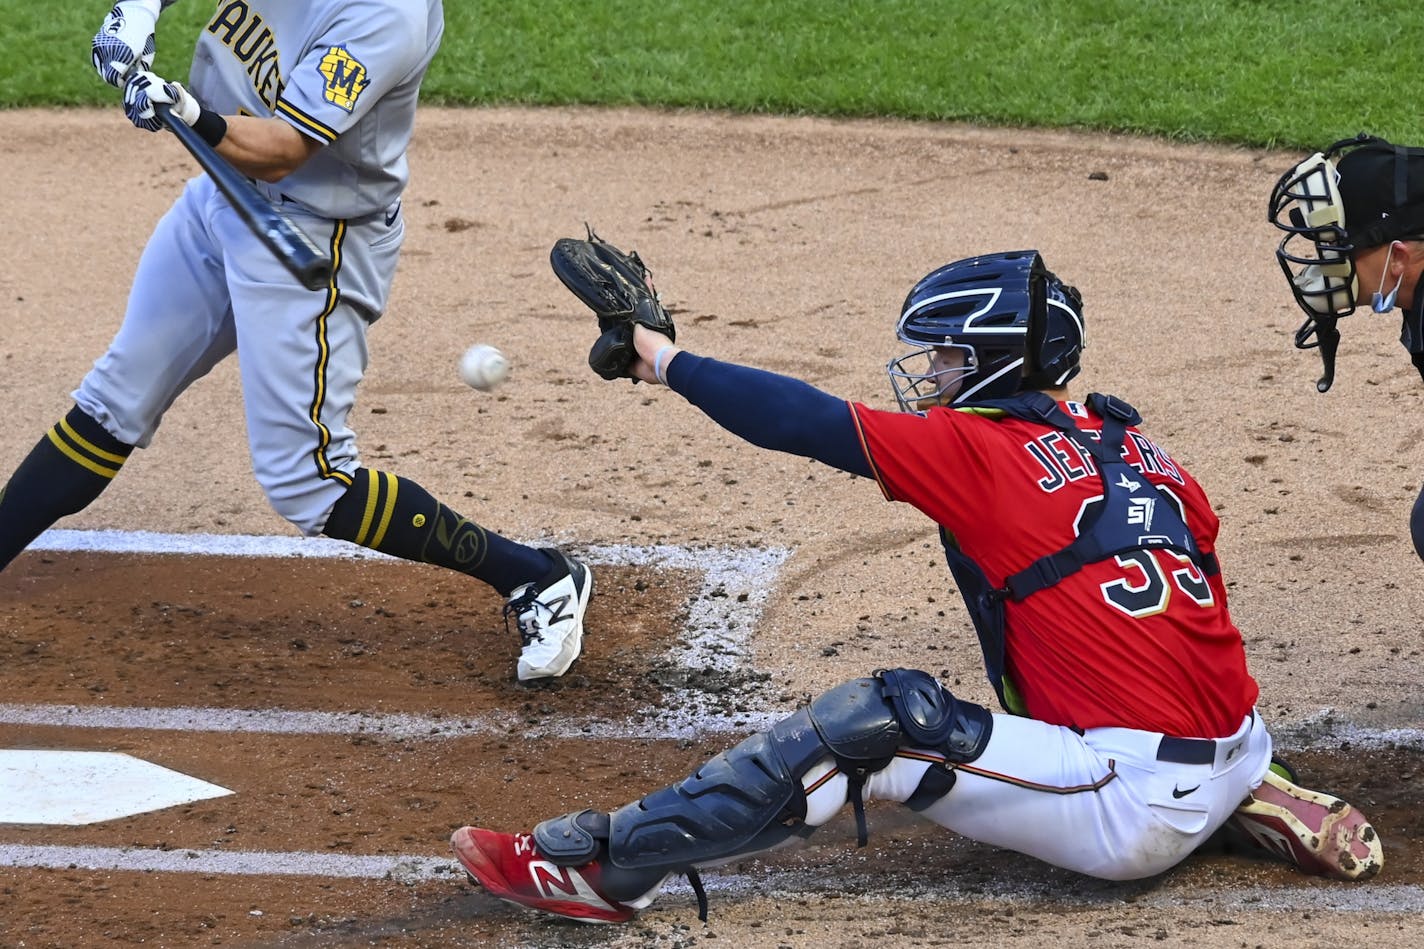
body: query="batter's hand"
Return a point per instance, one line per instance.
(125, 40)
(145, 88)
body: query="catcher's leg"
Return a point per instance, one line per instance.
(749, 799)
(1113, 803)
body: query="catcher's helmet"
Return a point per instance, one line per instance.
(1017, 325)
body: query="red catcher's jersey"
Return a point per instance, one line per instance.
(1143, 640)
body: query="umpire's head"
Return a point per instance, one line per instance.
(1382, 189)
(1354, 222)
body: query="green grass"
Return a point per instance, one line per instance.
(1256, 72)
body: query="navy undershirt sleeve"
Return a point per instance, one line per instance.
(770, 410)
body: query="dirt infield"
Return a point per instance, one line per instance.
(362, 709)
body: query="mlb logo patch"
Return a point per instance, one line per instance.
(345, 77)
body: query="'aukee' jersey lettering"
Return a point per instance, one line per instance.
(344, 72)
(1163, 656)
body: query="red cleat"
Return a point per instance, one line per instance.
(511, 868)
(1320, 834)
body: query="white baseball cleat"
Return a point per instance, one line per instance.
(550, 618)
(1318, 833)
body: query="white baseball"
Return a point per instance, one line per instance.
(483, 367)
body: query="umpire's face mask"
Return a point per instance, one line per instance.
(1325, 289)
(1315, 254)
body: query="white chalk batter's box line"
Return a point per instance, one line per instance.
(735, 586)
(773, 882)
(744, 576)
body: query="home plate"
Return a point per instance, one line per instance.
(85, 787)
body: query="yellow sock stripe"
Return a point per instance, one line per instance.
(88, 446)
(79, 459)
(324, 355)
(388, 510)
(373, 489)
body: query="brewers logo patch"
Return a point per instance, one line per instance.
(346, 78)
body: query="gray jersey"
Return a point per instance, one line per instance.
(344, 72)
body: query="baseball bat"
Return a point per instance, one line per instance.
(288, 242)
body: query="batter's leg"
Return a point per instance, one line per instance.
(177, 325)
(398, 517)
(62, 475)
(547, 592)
(302, 356)
(175, 329)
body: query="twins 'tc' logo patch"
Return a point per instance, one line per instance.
(346, 78)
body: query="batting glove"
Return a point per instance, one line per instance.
(144, 90)
(125, 40)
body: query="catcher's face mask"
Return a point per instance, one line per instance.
(930, 375)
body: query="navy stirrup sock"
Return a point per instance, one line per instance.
(66, 470)
(398, 517)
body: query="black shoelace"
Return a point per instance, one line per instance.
(519, 606)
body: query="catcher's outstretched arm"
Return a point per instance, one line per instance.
(770, 410)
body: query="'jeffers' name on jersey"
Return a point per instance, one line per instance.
(1064, 462)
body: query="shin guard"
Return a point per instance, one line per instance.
(750, 798)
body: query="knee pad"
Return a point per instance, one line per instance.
(933, 718)
(914, 711)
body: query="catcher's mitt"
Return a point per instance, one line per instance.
(616, 286)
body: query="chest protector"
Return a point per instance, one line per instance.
(1132, 514)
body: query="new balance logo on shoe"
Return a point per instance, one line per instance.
(1270, 839)
(564, 883)
(551, 881)
(558, 609)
